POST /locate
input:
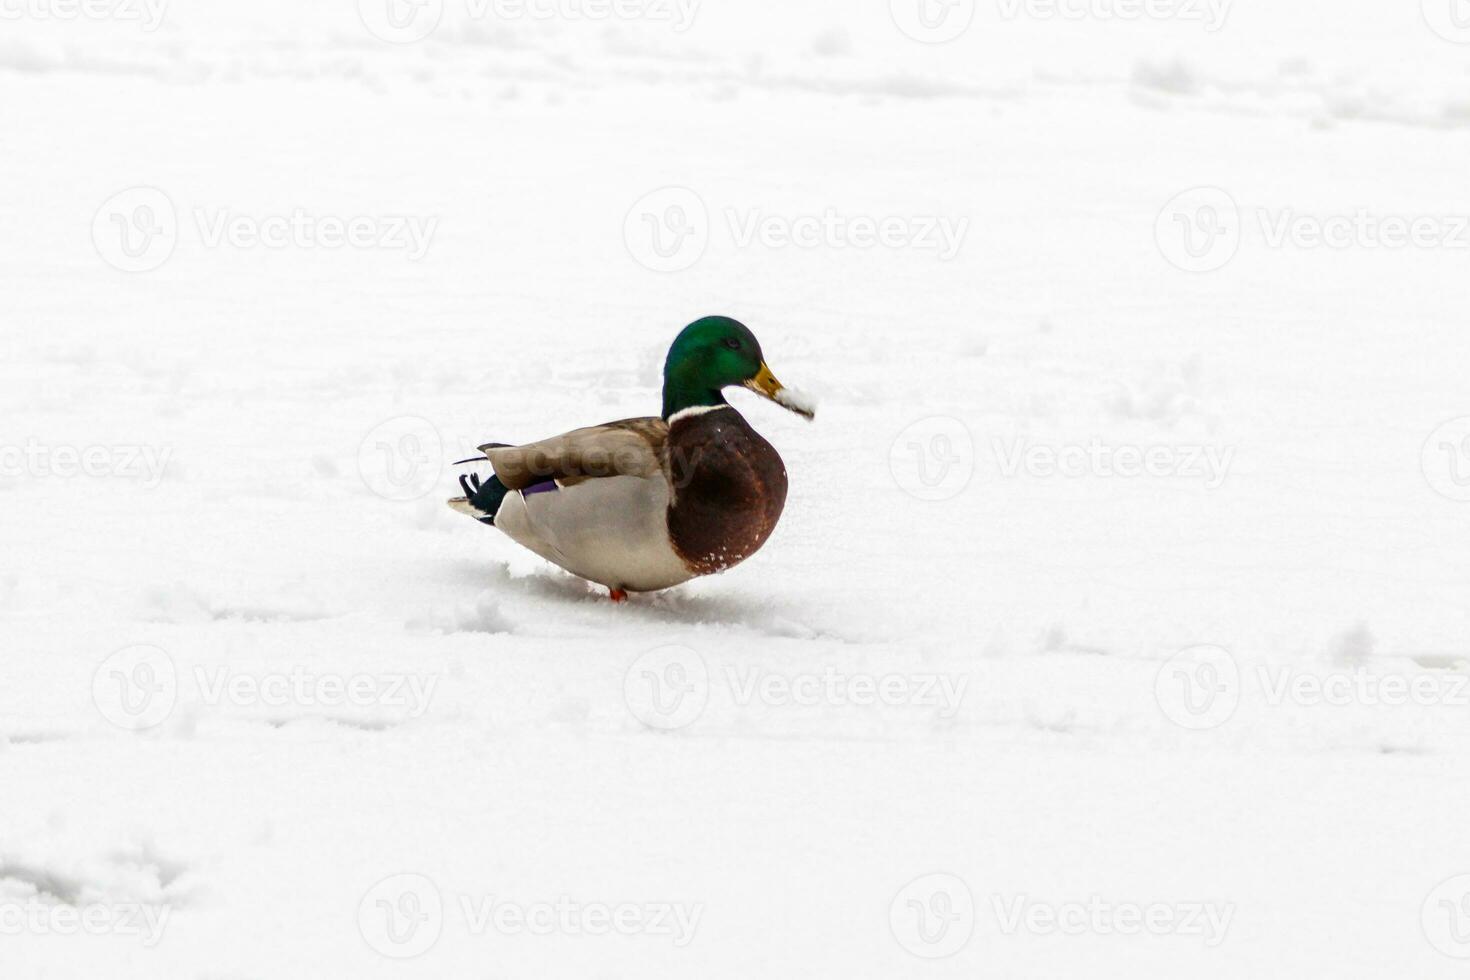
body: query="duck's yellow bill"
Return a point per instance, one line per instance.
(765, 383)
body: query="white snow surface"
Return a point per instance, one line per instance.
(253, 668)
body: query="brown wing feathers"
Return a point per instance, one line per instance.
(630, 447)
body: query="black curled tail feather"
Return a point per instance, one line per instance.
(484, 496)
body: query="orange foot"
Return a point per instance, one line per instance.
(617, 595)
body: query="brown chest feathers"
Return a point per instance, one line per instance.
(729, 487)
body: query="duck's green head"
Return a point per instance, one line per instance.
(715, 353)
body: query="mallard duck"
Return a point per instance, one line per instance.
(644, 504)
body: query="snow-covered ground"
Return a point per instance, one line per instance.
(1116, 625)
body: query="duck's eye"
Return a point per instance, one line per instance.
(732, 343)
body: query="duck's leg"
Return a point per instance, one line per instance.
(617, 595)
